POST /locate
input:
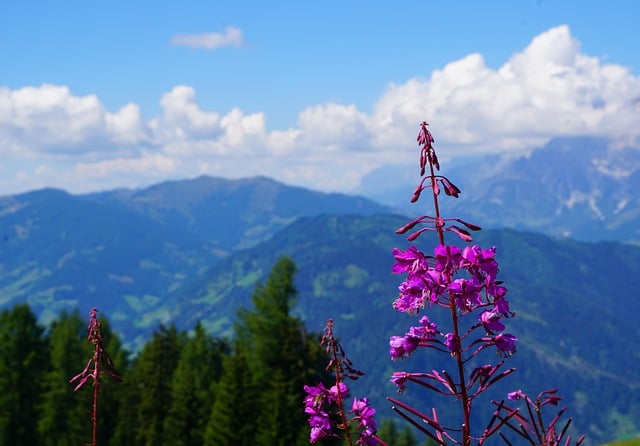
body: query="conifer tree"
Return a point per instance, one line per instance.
(65, 419)
(23, 362)
(388, 431)
(232, 419)
(197, 372)
(127, 416)
(151, 377)
(282, 358)
(406, 437)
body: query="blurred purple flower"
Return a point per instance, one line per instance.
(452, 342)
(491, 321)
(367, 425)
(506, 343)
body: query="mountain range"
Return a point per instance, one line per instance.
(193, 250)
(573, 331)
(128, 250)
(584, 188)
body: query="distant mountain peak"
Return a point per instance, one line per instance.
(581, 187)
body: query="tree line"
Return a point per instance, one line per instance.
(181, 388)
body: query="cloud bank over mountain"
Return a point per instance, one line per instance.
(51, 137)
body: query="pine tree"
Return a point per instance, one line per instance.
(407, 437)
(198, 370)
(127, 420)
(232, 419)
(23, 363)
(282, 358)
(388, 431)
(151, 376)
(65, 418)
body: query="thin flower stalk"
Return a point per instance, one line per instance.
(358, 426)
(531, 425)
(100, 363)
(462, 281)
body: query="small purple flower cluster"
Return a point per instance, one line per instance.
(430, 281)
(325, 407)
(317, 406)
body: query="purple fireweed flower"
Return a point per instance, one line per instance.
(334, 395)
(318, 433)
(367, 425)
(516, 395)
(506, 343)
(466, 293)
(481, 260)
(497, 291)
(448, 258)
(409, 261)
(500, 304)
(418, 289)
(320, 423)
(491, 321)
(316, 395)
(412, 295)
(452, 342)
(319, 420)
(428, 329)
(402, 346)
(400, 380)
(436, 284)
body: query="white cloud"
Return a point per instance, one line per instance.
(126, 126)
(548, 89)
(231, 36)
(48, 117)
(49, 136)
(334, 127)
(183, 118)
(50, 121)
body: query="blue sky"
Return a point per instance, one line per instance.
(319, 94)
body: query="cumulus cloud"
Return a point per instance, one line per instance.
(548, 89)
(183, 118)
(231, 36)
(334, 127)
(49, 136)
(50, 120)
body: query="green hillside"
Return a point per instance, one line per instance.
(149, 257)
(575, 303)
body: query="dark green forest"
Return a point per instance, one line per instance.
(182, 388)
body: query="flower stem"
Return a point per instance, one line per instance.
(339, 402)
(457, 353)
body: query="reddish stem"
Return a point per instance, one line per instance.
(464, 397)
(339, 377)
